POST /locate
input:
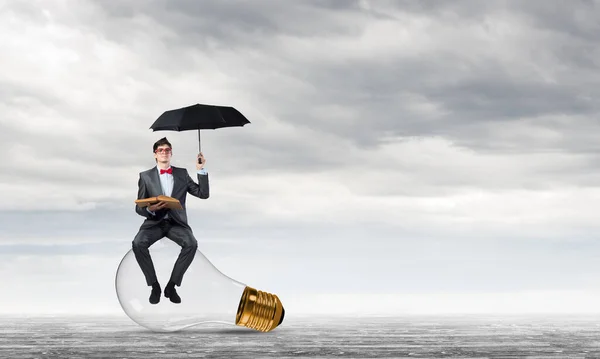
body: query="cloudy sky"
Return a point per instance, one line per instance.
(402, 156)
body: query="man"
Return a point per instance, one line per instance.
(164, 222)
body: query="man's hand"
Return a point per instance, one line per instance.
(200, 159)
(155, 207)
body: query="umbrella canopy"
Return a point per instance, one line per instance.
(199, 117)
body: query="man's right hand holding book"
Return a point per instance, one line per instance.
(157, 206)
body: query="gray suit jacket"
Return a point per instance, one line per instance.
(149, 186)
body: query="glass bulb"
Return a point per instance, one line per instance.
(207, 295)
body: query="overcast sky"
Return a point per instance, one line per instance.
(402, 157)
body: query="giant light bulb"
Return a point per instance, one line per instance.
(207, 295)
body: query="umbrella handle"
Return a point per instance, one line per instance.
(199, 145)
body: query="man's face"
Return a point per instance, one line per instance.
(163, 154)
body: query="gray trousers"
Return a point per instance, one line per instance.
(181, 235)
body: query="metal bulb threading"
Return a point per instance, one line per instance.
(259, 310)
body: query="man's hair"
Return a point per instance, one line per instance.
(162, 141)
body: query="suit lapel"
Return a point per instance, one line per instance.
(177, 180)
(156, 180)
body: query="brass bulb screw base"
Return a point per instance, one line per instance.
(259, 310)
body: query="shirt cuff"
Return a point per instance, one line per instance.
(149, 211)
(203, 171)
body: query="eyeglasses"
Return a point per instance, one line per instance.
(161, 150)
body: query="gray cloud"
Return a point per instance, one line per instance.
(373, 92)
(493, 76)
(327, 85)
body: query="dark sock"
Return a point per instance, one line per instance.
(155, 285)
(171, 285)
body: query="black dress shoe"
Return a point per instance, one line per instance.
(171, 293)
(155, 295)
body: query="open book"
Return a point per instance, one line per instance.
(172, 203)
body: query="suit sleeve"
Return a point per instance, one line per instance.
(142, 194)
(200, 189)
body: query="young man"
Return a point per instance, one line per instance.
(164, 222)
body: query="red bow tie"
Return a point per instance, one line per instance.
(169, 171)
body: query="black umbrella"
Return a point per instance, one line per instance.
(199, 117)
